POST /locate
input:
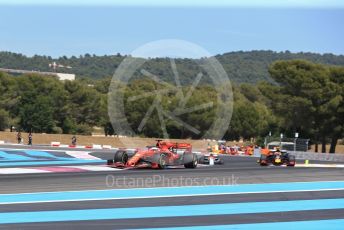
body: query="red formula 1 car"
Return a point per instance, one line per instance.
(161, 155)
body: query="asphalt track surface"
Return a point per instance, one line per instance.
(236, 171)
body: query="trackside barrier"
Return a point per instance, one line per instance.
(93, 146)
(96, 146)
(318, 156)
(55, 143)
(2, 142)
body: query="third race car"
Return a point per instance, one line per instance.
(277, 157)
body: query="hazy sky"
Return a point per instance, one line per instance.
(60, 27)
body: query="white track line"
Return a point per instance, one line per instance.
(81, 155)
(162, 196)
(27, 170)
(94, 168)
(320, 165)
(21, 171)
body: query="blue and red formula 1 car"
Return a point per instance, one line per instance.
(277, 157)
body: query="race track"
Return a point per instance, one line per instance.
(237, 195)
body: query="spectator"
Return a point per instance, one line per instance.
(209, 147)
(19, 137)
(30, 139)
(264, 151)
(256, 151)
(74, 140)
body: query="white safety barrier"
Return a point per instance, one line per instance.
(55, 143)
(2, 142)
(93, 146)
(318, 156)
(96, 146)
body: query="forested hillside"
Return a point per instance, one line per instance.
(308, 98)
(248, 67)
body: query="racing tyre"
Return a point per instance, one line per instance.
(161, 160)
(263, 161)
(201, 160)
(121, 156)
(190, 160)
(291, 161)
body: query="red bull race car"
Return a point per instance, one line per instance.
(160, 156)
(277, 157)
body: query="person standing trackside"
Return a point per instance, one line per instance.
(74, 140)
(30, 139)
(19, 137)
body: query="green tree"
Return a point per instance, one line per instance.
(335, 121)
(36, 114)
(4, 119)
(303, 97)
